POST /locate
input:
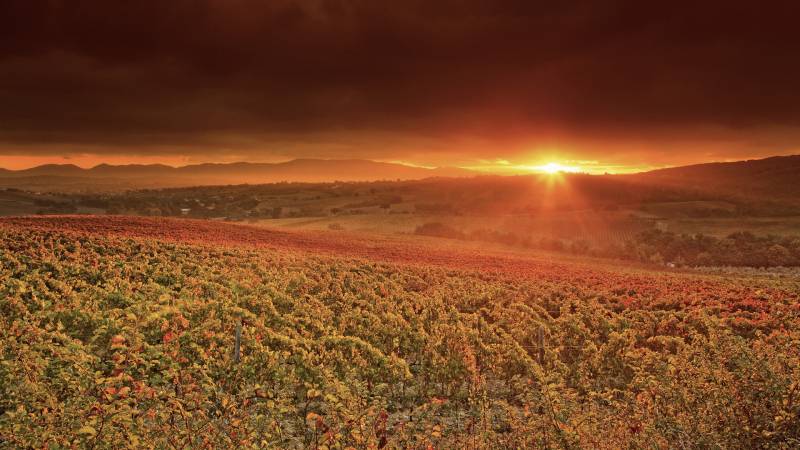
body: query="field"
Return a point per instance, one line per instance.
(580, 212)
(125, 329)
(593, 226)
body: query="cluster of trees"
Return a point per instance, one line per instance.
(737, 249)
(653, 246)
(269, 201)
(233, 206)
(48, 206)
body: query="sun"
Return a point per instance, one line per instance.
(554, 167)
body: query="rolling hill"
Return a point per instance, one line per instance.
(774, 178)
(756, 185)
(105, 177)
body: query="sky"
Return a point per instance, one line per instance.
(489, 84)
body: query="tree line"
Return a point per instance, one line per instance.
(741, 248)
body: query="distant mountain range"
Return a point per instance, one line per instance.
(104, 177)
(775, 178)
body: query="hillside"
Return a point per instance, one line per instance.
(538, 195)
(773, 178)
(761, 187)
(104, 177)
(109, 336)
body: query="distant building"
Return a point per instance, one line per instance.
(185, 211)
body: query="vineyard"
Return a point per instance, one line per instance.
(193, 334)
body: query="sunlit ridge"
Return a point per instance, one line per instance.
(554, 167)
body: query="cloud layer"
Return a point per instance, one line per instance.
(430, 82)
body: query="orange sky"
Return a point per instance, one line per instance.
(622, 156)
(500, 86)
(522, 163)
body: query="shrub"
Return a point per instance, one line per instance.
(438, 229)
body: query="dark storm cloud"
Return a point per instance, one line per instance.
(243, 74)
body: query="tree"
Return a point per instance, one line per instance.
(778, 255)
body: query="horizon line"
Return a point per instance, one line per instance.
(478, 169)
